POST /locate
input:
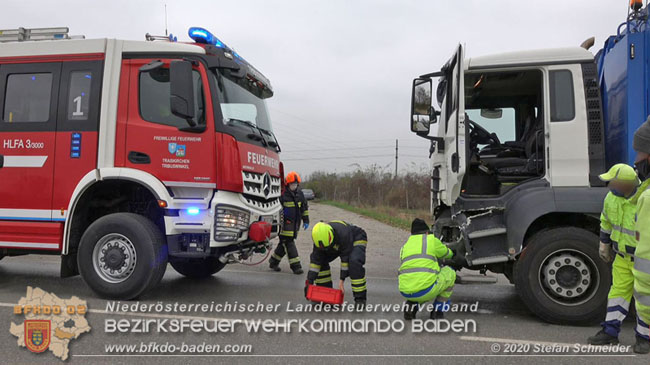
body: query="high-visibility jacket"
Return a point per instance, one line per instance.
(295, 209)
(642, 261)
(618, 222)
(419, 268)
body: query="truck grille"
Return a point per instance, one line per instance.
(261, 188)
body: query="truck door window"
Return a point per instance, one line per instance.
(79, 95)
(28, 98)
(155, 94)
(562, 98)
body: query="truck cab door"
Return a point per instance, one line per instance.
(161, 143)
(451, 165)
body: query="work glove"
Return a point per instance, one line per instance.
(605, 251)
(305, 226)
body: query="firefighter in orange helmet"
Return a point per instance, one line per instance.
(295, 210)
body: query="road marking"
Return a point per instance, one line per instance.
(509, 340)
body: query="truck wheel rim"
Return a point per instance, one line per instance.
(569, 277)
(114, 258)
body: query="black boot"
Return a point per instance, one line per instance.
(410, 310)
(274, 265)
(602, 338)
(359, 305)
(297, 270)
(642, 346)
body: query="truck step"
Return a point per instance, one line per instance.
(463, 278)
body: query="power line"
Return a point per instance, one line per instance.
(338, 149)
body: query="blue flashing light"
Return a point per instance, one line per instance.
(200, 35)
(87, 76)
(33, 78)
(193, 211)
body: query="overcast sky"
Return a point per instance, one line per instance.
(341, 69)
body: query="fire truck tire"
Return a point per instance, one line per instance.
(122, 255)
(560, 277)
(197, 268)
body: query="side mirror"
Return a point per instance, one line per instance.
(181, 90)
(492, 113)
(422, 112)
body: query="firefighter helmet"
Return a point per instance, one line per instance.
(292, 177)
(322, 234)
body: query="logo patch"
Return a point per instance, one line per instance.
(171, 147)
(180, 150)
(37, 335)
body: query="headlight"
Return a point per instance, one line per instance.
(229, 223)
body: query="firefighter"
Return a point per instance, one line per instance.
(618, 242)
(642, 254)
(344, 240)
(420, 277)
(295, 210)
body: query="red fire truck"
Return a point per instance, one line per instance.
(122, 156)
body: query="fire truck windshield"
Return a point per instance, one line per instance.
(242, 101)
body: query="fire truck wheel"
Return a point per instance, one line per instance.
(121, 255)
(560, 277)
(197, 268)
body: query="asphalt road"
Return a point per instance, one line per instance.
(501, 320)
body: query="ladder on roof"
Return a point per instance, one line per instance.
(35, 34)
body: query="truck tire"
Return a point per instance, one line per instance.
(122, 255)
(197, 268)
(561, 278)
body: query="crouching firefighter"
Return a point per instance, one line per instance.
(344, 240)
(295, 209)
(420, 277)
(618, 242)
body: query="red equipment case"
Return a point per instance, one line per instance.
(322, 294)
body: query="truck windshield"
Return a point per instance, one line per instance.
(242, 103)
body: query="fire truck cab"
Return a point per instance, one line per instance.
(122, 156)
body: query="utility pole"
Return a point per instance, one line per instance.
(396, 153)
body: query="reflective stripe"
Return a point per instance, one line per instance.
(425, 241)
(642, 265)
(286, 233)
(624, 230)
(294, 260)
(642, 330)
(276, 257)
(358, 281)
(289, 204)
(420, 293)
(323, 280)
(325, 273)
(422, 256)
(305, 213)
(340, 222)
(359, 289)
(360, 242)
(643, 299)
(616, 313)
(418, 269)
(314, 267)
(618, 301)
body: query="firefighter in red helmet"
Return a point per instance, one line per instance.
(295, 211)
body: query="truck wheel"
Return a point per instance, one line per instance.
(197, 268)
(121, 255)
(561, 278)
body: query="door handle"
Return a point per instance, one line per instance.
(139, 157)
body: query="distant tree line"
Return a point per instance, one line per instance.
(373, 187)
